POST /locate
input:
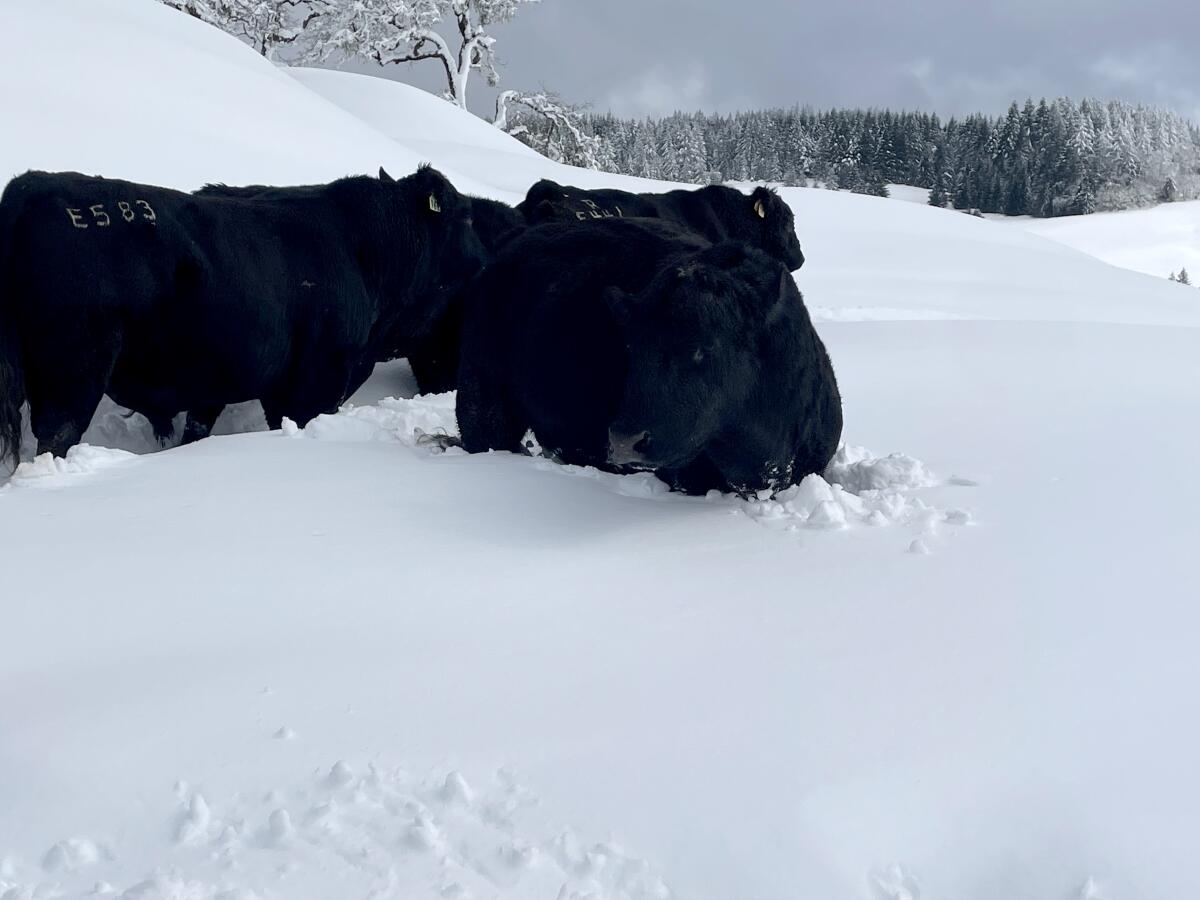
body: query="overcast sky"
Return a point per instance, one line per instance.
(647, 57)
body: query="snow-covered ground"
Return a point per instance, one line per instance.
(908, 193)
(1155, 241)
(332, 663)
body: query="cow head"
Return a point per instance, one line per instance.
(776, 226)
(692, 338)
(442, 217)
(495, 223)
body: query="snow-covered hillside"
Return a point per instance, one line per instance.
(331, 663)
(1157, 241)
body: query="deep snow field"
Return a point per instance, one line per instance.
(331, 663)
(1155, 241)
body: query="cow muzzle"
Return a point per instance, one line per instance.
(628, 449)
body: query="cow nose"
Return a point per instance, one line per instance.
(624, 449)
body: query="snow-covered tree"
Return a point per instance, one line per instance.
(398, 31)
(266, 25)
(1183, 277)
(1043, 159)
(552, 127)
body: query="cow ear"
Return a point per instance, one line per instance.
(618, 303)
(783, 296)
(385, 177)
(760, 200)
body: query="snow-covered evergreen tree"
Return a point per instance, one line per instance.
(1045, 159)
(937, 194)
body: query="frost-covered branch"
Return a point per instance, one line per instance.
(263, 24)
(399, 31)
(552, 127)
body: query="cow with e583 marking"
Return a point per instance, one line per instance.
(169, 301)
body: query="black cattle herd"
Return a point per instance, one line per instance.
(632, 332)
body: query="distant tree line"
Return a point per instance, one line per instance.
(1050, 158)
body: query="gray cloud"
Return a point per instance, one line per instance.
(639, 57)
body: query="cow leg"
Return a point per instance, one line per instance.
(163, 425)
(200, 422)
(272, 413)
(321, 388)
(360, 375)
(63, 399)
(60, 413)
(435, 359)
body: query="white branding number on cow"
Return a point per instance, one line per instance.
(102, 219)
(595, 211)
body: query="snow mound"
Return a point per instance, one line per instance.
(858, 488)
(858, 471)
(393, 419)
(50, 471)
(1156, 241)
(345, 833)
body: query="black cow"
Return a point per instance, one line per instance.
(434, 356)
(434, 359)
(716, 212)
(492, 221)
(170, 301)
(495, 223)
(630, 344)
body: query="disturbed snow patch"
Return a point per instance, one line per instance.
(858, 488)
(348, 833)
(48, 471)
(391, 419)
